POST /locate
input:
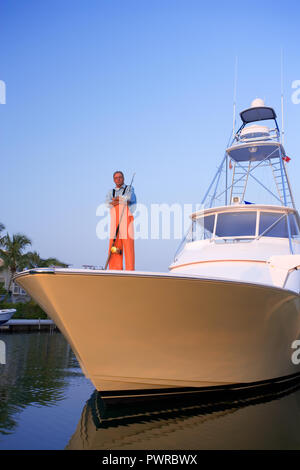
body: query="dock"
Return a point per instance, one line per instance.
(28, 325)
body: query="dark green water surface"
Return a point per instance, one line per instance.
(47, 403)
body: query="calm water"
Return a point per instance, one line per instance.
(46, 403)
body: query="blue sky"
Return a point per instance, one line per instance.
(138, 85)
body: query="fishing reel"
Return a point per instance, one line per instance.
(115, 250)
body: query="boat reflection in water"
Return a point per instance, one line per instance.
(264, 417)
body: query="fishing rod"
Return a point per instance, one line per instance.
(114, 249)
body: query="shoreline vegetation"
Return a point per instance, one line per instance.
(25, 310)
(13, 259)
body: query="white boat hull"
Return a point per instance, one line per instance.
(138, 331)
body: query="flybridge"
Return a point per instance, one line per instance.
(253, 146)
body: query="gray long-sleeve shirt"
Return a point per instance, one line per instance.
(129, 196)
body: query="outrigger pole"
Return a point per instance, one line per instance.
(234, 96)
(233, 125)
(118, 228)
(281, 77)
(282, 163)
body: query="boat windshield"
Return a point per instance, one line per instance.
(236, 224)
(239, 226)
(274, 224)
(203, 228)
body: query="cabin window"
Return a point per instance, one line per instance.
(204, 227)
(236, 224)
(274, 225)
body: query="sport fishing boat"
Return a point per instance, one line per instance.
(6, 314)
(228, 310)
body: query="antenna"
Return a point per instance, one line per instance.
(281, 76)
(234, 94)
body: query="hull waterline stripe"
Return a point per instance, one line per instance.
(237, 387)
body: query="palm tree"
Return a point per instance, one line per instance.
(12, 254)
(32, 259)
(2, 227)
(2, 290)
(55, 262)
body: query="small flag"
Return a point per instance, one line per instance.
(230, 165)
(286, 159)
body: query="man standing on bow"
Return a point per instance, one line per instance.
(121, 200)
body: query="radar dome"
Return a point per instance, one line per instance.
(258, 102)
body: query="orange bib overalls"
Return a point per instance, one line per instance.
(121, 215)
